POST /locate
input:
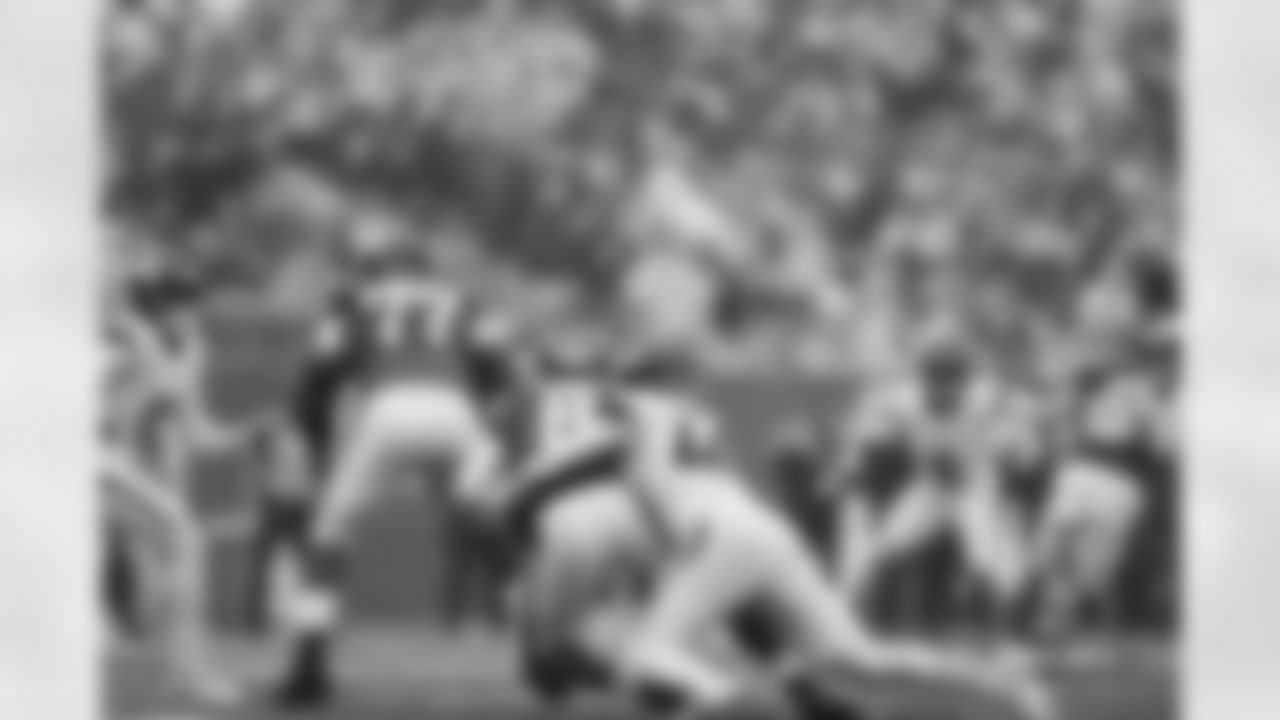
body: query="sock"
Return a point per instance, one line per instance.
(313, 614)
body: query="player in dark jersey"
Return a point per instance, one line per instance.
(382, 384)
(715, 547)
(337, 360)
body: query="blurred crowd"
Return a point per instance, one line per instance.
(796, 187)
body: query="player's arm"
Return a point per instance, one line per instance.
(570, 444)
(653, 444)
(549, 474)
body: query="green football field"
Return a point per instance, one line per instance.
(406, 674)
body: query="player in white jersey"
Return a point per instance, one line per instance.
(715, 548)
(585, 545)
(730, 550)
(156, 420)
(920, 455)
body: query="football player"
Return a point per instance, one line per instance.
(731, 549)
(586, 546)
(923, 455)
(714, 547)
(384, 388)
(157, 419)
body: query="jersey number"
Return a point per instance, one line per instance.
(572, 420)
(412, 314)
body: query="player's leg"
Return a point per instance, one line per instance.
(856, 549)
(1117, 508)
(290, 457)
(1084, 537)
(920, 514)
(832, 645)
(462, 546)
(551, 598)
(663, 662)
(314, 610)
(397, 423)
(138, 501)
(280, 559)
(591, 555)
(994, 553)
